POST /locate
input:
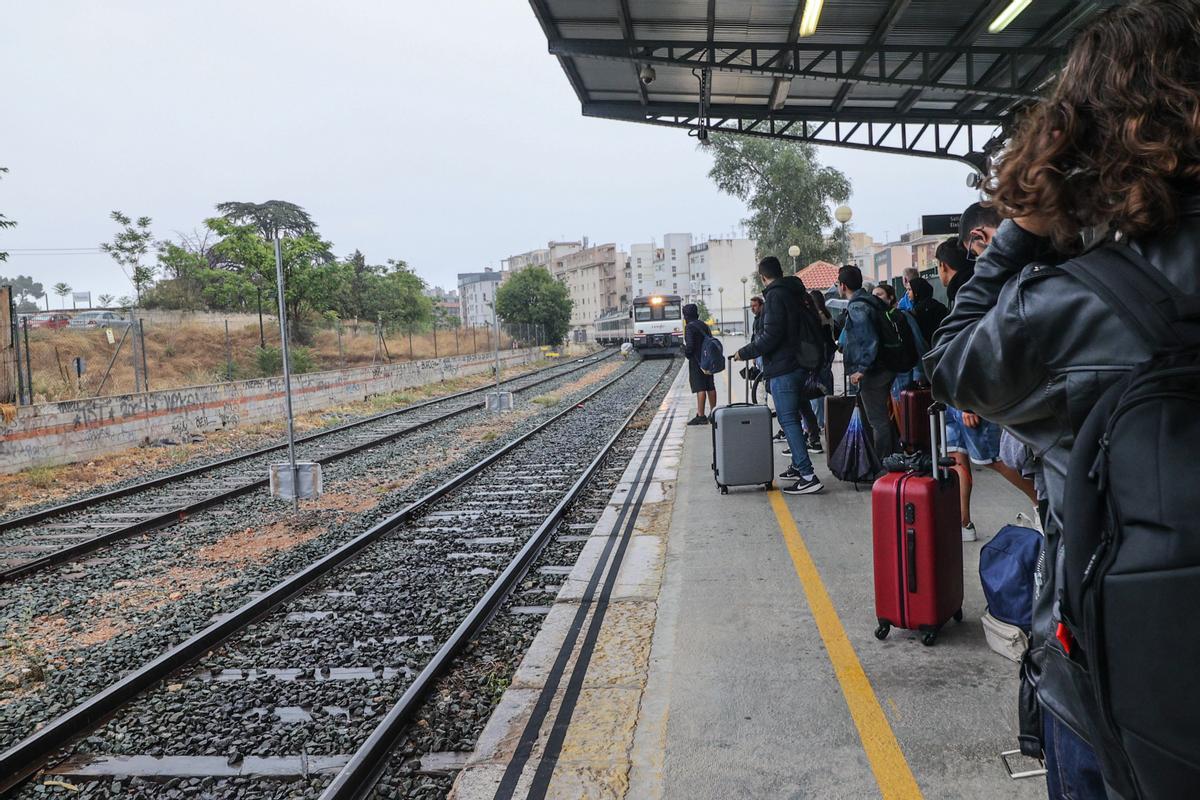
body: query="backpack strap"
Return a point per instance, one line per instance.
(1140, 294)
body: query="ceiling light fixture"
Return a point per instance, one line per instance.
(1011, 12)
(812, 15)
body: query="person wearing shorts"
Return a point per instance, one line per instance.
(970, 439)
(702, 384)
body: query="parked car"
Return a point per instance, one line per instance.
(98, 319)
(52, 320)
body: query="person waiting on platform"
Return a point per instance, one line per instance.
(790, 348)
(1099, 188)
(695, 331)
(860, 347)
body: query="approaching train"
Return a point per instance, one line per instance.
(654, 325)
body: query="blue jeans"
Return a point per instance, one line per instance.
(788, 391)
(1072, 772)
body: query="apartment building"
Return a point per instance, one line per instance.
(475, 291)
(542, 257)
(595, 278)
(642, 258)
(715, 269)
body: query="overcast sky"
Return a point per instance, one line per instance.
(438, 133)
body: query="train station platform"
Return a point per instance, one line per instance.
(721, 646)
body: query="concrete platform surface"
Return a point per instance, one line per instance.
(711, 646)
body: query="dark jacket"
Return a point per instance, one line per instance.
(1029, 347)
(756, 327)
(694, 334)
(778, 341)
(957, 282)
(860, 337)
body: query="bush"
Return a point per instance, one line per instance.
(270, 360)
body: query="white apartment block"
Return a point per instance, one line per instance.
(595, 280)
(641, 269)
(475, 291)
(542, 257)
(720, 264)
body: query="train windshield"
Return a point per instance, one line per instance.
(663, 311)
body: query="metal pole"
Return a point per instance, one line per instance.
(145, 370)
(287, 378)
(262, 336)
(16, 335)
(435, 352)
(228, 354)
(456, 352)
(496, 317)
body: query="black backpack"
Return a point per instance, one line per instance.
(897, 347)
(1130, 556)
(810, 341)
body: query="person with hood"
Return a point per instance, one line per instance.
(790, 349)
(860, 346)
(702, 384)
(928, 310)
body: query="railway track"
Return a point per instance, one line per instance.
(304, 668)
(62, 533)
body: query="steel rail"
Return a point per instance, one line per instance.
(153, 483)
(360, 774)
(181, 512)
(28, 755)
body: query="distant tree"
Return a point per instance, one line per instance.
(5, 222)
(129, 247)
(125, 302)
(312, 277)
(702, 310)
(398, 297)
(62, 290)
(271, 219)
(788, 193)
(25, 291)
(105, 300)
(532, 296)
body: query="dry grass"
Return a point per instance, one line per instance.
(194, 354)
(52, 483)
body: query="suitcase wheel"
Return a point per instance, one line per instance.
(882, 631)
(929, 639)
(958, 615)
(724, 490)
(768, 485)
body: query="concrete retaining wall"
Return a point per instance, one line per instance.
(79, 430)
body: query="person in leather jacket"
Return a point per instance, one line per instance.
(1114, 148)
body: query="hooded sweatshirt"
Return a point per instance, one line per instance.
(779, 340)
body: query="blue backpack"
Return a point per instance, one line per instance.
(712, 356)
(1006, 567)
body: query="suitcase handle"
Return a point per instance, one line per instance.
(910, 547)
(937, 441)
(729, 378)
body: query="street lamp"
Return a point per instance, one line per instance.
(843, 214)
(744, 318)
(256, 279)
(794, 252)
(720, 322)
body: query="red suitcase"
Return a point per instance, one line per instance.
(918, 545)
(914, 418)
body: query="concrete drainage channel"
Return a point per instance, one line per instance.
(314, 675)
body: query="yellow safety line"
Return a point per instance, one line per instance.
(892, 773)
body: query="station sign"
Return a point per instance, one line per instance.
(939, 224)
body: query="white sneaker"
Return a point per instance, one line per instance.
(968, 532)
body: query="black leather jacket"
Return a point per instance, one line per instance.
(1031, 348)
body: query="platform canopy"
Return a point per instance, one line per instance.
(919, 77)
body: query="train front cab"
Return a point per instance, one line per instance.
(658, 326)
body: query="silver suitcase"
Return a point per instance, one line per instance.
(743, 454)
